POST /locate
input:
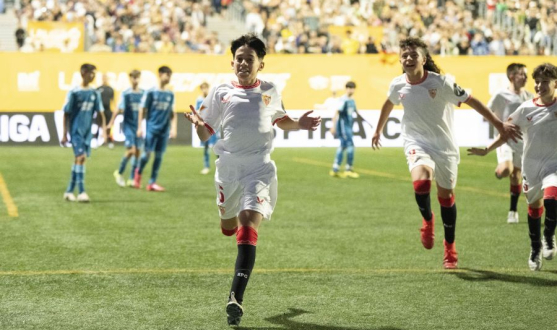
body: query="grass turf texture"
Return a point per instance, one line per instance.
(338, 254)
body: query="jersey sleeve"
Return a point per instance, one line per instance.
(122, 102)
(98, 103)
(210, 110)
(393, 94)
(277, 107)
(68, 105)
(453, 93)
(146, 100)
(497, 105)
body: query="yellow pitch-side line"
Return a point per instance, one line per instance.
(349, 271)
(396, 177)
(8, 201)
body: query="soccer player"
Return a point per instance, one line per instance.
(107, 98)
(509, 156)
(245, 178)
(158, 105)
(129, 104)
(204, 87)
(342, 126)
(427, 130)
(537, 119)
(81, 104)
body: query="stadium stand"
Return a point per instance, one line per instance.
(458, 27)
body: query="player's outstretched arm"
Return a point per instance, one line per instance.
(506, 129)
(385, 112)
(305, 122)
(484, 151)
(194, 118)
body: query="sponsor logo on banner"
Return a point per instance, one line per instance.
(28, 127)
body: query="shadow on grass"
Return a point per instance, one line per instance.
(284, 321)
(478, 275)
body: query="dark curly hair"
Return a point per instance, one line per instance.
(418, 43)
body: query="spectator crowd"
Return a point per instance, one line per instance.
(449, 27)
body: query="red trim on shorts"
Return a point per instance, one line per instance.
(211, 130)
(535, 213)
(468, 99)
(544, 105)
(229, 232)
(446, 202)
(280, 119)
(246, 236)
(419, 82)
(550, 193)
(422, 187)
(515, 189)
(256, 84)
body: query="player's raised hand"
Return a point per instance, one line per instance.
(375, 141)
(194, 118)
(477, 151)
(309, 123)
(64, 140)
(510, 131)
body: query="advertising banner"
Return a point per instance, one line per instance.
(59, 37)
(40, 81)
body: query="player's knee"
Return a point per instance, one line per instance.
(229, 232)
(550, 193)
(535, 213)
(446, 201)
(246, 235)
(502, 172)
(422, 187)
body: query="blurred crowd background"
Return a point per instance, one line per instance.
(457, 27)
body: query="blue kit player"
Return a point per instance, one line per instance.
(342, 128)
(130, 102)
(158, 105)
(204, 87)
(81, 104)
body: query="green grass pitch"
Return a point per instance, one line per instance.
(338, 253)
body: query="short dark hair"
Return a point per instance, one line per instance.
(418, 43)
(252, 41)
(513, 67)
(135, 73)
(546, 70)
(350, 84)
(165, 69)
(86, 67)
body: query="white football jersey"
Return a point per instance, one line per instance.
(503, 104)
(245, 116)
(538, 124)
(428, 111)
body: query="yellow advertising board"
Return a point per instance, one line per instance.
(56, 36)
(39, 82)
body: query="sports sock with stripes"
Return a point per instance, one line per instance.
(448, 215)
(515, 194)
(247, 241)
(534, 226)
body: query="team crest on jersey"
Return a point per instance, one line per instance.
(529, 118)
(433, 93)
(266, 99)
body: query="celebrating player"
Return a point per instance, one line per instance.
(81, 104)
(427, 130)
(342, 126)
(537, 119)
(245, 178)
(204, 87)
(509, 156)
(130, 100)
(158, 105)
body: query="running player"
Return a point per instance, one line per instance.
(429, 144)
(245, 178)
(130, 100)
(158, 105)
(204, 87)
(537, 119)
(509, 156)
(342, 126)
(81, 104)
